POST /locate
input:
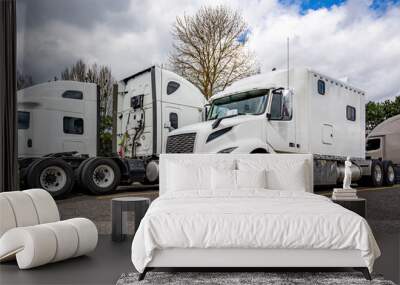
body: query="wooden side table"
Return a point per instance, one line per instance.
(119, 207)
(358, 205)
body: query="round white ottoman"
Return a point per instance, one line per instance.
(32, 233)
(40, 244)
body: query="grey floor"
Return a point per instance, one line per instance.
(110, 259)
(103, 266)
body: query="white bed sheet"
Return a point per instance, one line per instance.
(256, 218)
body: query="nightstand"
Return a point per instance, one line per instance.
(358, 205)
(119, 207)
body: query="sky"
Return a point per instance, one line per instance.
(356, 40)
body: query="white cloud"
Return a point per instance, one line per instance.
(346, 41)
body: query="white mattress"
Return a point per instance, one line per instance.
(254, 219)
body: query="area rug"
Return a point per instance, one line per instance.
(273, 278)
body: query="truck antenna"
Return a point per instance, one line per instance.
(287, 60)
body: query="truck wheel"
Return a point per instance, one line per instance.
(101, 175)
(389, 174)
(376, 178)
(23, 173)
(79, 185)
(53, 175)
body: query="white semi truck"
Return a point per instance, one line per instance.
(295, 111)
(383, 144)
(58, 130)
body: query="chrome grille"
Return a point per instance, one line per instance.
(183, 143)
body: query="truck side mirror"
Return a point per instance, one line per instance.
(206, 109)
(167, 125)
(280, 105)
(287, 104)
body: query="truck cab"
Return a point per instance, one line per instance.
(375, 147)
(245, 120)
(152, 103)
(58, 116)
(240, 122)
(383, 145)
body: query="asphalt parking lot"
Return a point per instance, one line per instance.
(383, 205)
(98, 208)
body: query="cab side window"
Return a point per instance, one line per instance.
(23, 120)
(350, 113)
(281, 106)
(73, 94)
(72, 125)
(373, 144)
(172, 86)
(321, 87)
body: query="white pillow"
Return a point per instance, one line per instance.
(183, 177)
(184, 174)
(251, 178)
(223, 179)
(288, 178)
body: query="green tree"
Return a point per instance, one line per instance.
(102, 76)
(377, 112)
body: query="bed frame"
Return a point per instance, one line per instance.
(248, 259)
(242, 259)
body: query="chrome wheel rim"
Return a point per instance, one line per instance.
(103, 176)
(378, 173)
(53, 178)
(390, 173)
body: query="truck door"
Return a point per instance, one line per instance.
(327, 134)
(281, 128)
(74, 133)
(171, 121)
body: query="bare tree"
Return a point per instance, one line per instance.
(100, 75)
(210, 48)
(23, 80)
(77, 72)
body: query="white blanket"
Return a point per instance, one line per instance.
(250, 219)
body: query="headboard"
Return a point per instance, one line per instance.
(270, 160)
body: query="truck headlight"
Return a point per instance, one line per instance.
(217, 134)
(228, 150)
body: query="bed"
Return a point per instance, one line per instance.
(246, 211)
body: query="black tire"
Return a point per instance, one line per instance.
(376, 178)
(23, 173)
(389, 173)
(79, 185)
(48, 174)
(91, 169)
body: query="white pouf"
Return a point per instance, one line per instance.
(31, 232)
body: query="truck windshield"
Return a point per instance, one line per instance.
(250, 102)
(373, 144)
